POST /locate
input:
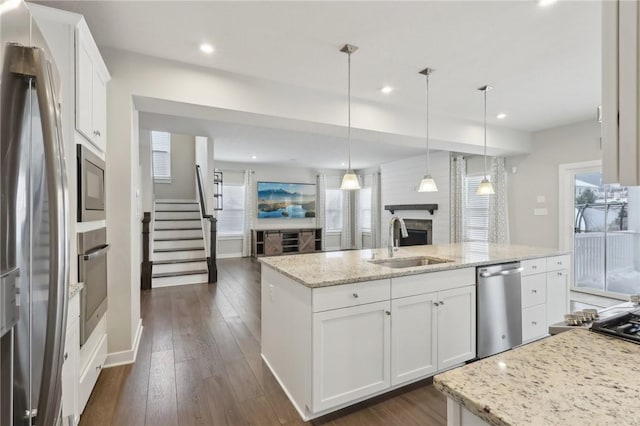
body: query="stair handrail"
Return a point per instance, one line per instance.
(211, 259)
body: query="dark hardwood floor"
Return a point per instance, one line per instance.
(199, 364)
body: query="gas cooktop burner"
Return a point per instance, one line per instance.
(624, 326)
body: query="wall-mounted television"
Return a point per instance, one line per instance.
(281, 200)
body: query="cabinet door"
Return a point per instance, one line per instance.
(413, 338)
(456, 326)
(84, 90)
(99, 111)
(70, 375)
(351, 353)
(557, 296)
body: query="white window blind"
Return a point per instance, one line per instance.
(231, 217)
(161, 150)
(365, 209)
(476, 211)
(333, 210)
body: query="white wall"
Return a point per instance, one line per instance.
(233, 172)
(537, 174)
(146, 170)
(399, 182)
(183, 160)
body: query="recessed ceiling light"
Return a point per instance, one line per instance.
(386, 90)
(206, 48)
(501, 116)
(545, 3)
(253, 157)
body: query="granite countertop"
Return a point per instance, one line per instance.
(574, 378)
(74, 288)
(341, 267)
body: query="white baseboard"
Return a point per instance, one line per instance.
(125, 357)
(228, 255)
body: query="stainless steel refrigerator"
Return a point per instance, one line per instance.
(34, 250)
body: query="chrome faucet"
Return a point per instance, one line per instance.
(392, 245)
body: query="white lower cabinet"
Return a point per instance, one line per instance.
(351, 353)
(557, 295)
(70, 368)
(456, 326)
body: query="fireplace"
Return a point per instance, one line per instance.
(420, 232)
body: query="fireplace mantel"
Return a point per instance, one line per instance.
(402, 207)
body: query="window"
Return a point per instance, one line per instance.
(333, 210)
(231, 218)
(365, 209)
(476, 211)
(161, 150)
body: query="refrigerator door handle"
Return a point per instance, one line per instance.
(35, 65)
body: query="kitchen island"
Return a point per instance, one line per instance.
(327, 329)
(574, 378)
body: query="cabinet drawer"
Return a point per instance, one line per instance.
(534, 324)
(342, 296)
(534, 266)
(73, 311)
(90, 375)
(558, 262)
(412, 285)
(534, 289)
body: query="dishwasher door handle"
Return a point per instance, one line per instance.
(502, 273)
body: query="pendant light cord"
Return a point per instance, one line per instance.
(485, 133)
(349, 109)
(427, 123)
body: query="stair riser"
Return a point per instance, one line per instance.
(158, 234)
(177, 215)
(178, 244)
(177, 224)
(179, 267)
(185, 279)
(179, 255)
(176, 207)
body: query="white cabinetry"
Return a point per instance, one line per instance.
(91, 89)
(70, 368)
(456, 326)
(351, 353)
(620, 92)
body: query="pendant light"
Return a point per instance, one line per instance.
(350, 179)
(485, 187)
(427, 184)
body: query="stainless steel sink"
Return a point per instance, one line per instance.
(410, 262)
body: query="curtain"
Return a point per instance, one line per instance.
(458, 171)
(498, 211)
(249, 204)
(375, 210)
(321, 181)
(356, 216)
(347, 223)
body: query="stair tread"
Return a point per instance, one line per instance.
(178, 249)
(178, 261)
(178, 239)
(176, 202)
(177, 211)
(179, 274)
(175, 220)
(177, 229)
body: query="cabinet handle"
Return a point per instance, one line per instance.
(66, 355)
(442, 303)
(534, 267)
(355, 295)
(435, 303)
(559, 274)
(99, 134)
(559, 263)
(534, 291)
(387, 312)
(534, 323)
(99, 368)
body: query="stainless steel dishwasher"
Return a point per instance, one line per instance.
(499, 308)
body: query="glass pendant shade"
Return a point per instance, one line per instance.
(427, 184)
(350, 181)
(485, 188)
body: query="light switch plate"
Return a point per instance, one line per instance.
(541, 199)
(540, 212)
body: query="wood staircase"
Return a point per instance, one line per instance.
(179, 255)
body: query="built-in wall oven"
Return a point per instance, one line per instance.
(92, 271)
(91, 190)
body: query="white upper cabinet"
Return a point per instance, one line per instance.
(91, 89)
(620, 92)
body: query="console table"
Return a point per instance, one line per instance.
(274, 242)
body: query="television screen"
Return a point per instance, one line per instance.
(279, 200)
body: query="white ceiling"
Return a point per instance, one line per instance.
(544, 62)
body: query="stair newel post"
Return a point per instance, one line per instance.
(211, 260)
(145, 277)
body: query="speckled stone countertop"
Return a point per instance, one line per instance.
(574, 378)
(341, 267)
(74, 288)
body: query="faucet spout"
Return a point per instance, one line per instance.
(391, 246)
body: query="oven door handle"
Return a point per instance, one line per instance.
(96, 253)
